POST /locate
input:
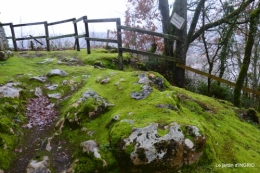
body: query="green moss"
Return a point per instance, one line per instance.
(129, 149)
(229, 138)
(88, 163)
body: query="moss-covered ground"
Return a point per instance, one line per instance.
(231, 141)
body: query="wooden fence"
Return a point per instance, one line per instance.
(118, 41)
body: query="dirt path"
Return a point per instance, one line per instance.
(33, 141)
(33, 146)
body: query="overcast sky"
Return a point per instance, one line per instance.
(28, 11)
(55, 10)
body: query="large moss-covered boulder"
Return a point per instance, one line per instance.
(168, 152)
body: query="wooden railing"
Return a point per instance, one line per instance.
(118, 41)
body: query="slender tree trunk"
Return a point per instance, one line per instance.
(166, 26)
(255, 79)
(180, 7)
(254, 18)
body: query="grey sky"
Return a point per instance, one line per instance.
(28, 11)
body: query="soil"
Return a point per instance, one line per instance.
(33, 147)
(34, 138)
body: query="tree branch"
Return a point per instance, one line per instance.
(219, 22)
(194, 23)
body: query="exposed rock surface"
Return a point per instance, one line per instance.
(39, 167)
(55, 95)
(171, 150)
(146, 88)
(57, 72)
(3, 56)
(91, 146)
(46, 61)
(10, 90)
(101, 103)
(39, 78)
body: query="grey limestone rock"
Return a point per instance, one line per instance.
(171, 150)
(36, 167)
(146, 90)
(10, 90)
(39, 78)
(55, 95)
(57, 72)
(91, 146)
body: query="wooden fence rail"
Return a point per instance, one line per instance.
(217, 78)
(118, 41)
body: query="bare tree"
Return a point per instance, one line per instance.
(254, 18)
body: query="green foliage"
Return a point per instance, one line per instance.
(217, 90)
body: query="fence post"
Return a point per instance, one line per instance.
(85, 18)
(119, 44)
(13, 37)
(47, 35)
(76, 35)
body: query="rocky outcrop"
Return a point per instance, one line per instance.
(91, 146)
(42, 166)
(147, 81)
(146, 88)
(10, 90)
(171, 150)
(57, 72)
(101, 105)
(4, 55)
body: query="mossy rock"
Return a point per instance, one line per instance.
(230, 139)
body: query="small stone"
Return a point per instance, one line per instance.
(9, 90)
(48, 146)
(105, 81)
(42, 166)
(143, 79)
(84, 129)
(57, 72)
(151, 75)
(91, 115)
(29, 126)
(189, 143)
(91, 146)
(116, 117)
(127, 121)
(3, 56)
(117, 83)
(55, 95)
(130, 113)
(53, 87)
(38, 92)
(39, 78)
(65, 82)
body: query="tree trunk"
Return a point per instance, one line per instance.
(180, 7)
(166, 26)
(250, 42)
(255, 66)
